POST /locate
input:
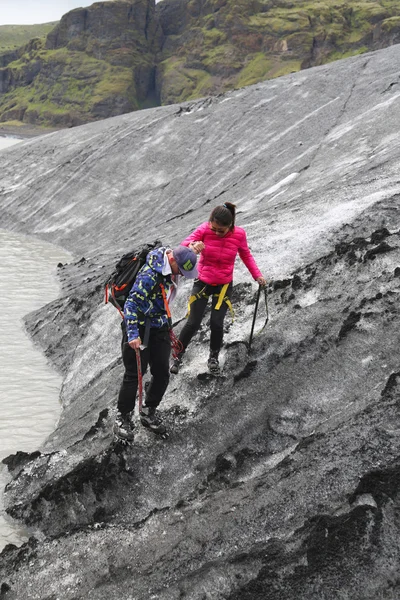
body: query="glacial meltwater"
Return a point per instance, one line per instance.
(5, 142)
(29, 386)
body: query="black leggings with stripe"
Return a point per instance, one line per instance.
(197, 310)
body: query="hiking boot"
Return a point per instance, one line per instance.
(124, 427)
(151, 420)
(213, 365)
(176, 365)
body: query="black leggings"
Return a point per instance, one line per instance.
(197, 310)
(156, 354)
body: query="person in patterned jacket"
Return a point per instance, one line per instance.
(146, 328)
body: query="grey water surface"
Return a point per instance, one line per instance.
(6, 141)
(29, 387)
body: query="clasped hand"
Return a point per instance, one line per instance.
(197, 247)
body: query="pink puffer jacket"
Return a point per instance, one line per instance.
(218, 257)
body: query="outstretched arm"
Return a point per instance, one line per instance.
(195, 239)
(248, 259)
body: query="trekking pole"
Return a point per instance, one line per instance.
(254, 316)
(255, 313)
(140, 378)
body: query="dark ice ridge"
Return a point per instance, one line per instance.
(281, 480)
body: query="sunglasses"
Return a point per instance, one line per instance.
(219, 229)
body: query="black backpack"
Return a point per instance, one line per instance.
(123, 277)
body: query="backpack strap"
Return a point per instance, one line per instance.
(166, 305)
(146, 338)
(110, 297)
(176, 344)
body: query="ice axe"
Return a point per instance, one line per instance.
(255, 313)
(140, 378)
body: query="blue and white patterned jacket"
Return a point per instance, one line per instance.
(145, 299)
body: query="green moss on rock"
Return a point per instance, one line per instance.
(256, 70)
(119, 56)
(181, 83)
(66, 81)
(391, 25)
(340, 55)
(15, 36)
(285, 68)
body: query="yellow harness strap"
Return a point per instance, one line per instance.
(222, 297)
(195, 297)
(229, 303)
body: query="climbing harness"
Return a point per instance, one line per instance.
(255, 314)
(222, 297)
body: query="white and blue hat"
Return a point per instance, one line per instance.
(186, 260)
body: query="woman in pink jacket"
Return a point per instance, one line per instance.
(219, 240)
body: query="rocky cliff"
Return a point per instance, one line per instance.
(115, 57)
(280, 480)
(95, 63)
(215, 45)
